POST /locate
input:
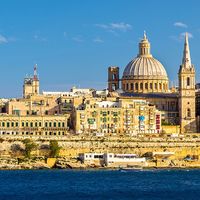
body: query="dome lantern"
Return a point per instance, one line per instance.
(144, 47)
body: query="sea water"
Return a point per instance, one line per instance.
(99, 184)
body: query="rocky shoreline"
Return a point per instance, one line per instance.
(66, 163)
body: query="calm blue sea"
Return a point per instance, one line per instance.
(103, 184)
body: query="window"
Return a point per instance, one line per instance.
(151, 85)
(63, 124)
(46, 124)
(54, 124)
(156, 86)
(188, 112)
(22, 124)
(188, 81)
(136, 86)
(127, 86)
(131, 86)
(8, 124)
(31, 124)
(146, 86)
(160, 86)
(141, 86)
(58, 124)
(36, 124)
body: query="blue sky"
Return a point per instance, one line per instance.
(74, 41)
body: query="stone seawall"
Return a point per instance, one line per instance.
(72, 146)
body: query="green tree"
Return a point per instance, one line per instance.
(29, 147)
(54, 148)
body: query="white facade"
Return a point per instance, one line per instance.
(111, 159)
(122, 159)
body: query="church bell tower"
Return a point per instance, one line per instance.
(187, 92)
(31, 85)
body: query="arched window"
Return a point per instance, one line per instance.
(151, 86)
(188, 112)
(127, 86)
(131, 86)
(188, 81)
(163, 86)
(136, 86)
(160, 86)
(156, 86)
(146, 86)
(124, 86)
(141, 86)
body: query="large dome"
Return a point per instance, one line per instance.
(145, 68)
(145, 73)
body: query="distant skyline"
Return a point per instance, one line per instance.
(73, 42)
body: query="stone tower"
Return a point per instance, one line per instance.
(113, 78)
(187, 91)
(31, 85)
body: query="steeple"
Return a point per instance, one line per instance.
(35, 77)
(144, 47)
(186, 61)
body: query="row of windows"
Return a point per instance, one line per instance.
(32, 124)
(31, 133)
(146, 86)
(104, 119)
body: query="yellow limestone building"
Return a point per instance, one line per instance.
(130, 117)
(146, 78)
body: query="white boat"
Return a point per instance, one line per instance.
(131, 168)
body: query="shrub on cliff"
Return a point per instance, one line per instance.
(29, 147)
(54, 148)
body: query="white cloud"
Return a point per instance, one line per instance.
(65, 34)
(180, 24)
(98, 40)
(3, 39)
(78, 39)
(115, 26)
(39, 38)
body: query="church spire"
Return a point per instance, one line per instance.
(35, 72)
(186, 61)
